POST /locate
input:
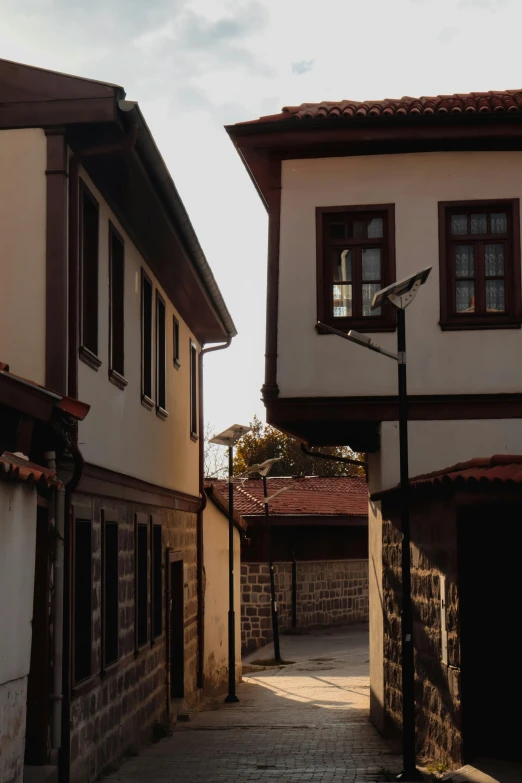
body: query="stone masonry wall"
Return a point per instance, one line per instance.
(329, 592)
(113, 712)
(437, 685)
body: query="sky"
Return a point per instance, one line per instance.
(197, 65)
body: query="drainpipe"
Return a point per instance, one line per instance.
(201, 591)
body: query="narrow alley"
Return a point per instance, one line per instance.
(307, 721)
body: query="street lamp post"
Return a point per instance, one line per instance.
(229, 438)
(401, 294)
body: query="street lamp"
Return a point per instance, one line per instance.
(401, 294)
(263, 469)
(229, 438)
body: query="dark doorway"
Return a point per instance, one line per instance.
(39, 681)
(176, 629)
(489, 545)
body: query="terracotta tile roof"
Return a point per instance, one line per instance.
(16, 468)
(501, 469)
(494, 102)
(308, 496)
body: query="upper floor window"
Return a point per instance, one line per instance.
(175, 341)
(88, 249)
(479, 246)
(355, 259)
(116, 308)
(161, 358)
(146, 341)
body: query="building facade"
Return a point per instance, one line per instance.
(114, 302)
(360, 195)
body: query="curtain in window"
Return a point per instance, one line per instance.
(465, 260)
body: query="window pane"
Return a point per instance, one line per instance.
(146, 336)
(465, 260)
(142, 568)
(82, 599)
(459, 224)
(465, 296)
(371, 263)
(494, 260)
(368, 292)
(479, 224)
(161, 357)
(342, 301)
(110, 594)
(337, 230)
(193, 389)
(343, 266)
(495, 300)
(375, 228)
(117, 288)
(359, 229)
(499, 223)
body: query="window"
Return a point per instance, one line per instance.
(88, 249)
(116, 308)
(161, 359)
(193, 390)
(175, 341)
(110, 608)
(141, 577)
(157, 581)
(355, 259)
(146, 341)
(479, 246)
(82, 580)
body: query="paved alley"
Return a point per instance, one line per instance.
(306, 722)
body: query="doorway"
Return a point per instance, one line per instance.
(176, 626)
(489, 545)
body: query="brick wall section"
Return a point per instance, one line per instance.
(437, 686)
(114, 712)
(329, 592)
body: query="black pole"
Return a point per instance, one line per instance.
(231, 613)
(294, 591)
(273, 601)
(410, 771)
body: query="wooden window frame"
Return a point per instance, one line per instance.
(116, 377)
(193, 365)
(450, 320)
(108, 517)
(146, 400)
(84, 514)
(87, 353)
(175, 342)
(161, 360)
(155, 524)
(141, 520)
(386, 322)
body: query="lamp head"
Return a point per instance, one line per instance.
(230, 436)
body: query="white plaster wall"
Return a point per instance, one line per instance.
(119, 433)
(23, 155)
(215, 547)
(438, 362)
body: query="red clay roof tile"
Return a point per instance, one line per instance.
(308, 496)
(17, 468)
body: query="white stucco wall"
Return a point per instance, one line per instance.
(23, 156)
(17, 561)
(438, 362)
(119, 433)
(215, 547)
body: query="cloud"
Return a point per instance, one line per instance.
(484, 5)
(448, 34)
(302, 67)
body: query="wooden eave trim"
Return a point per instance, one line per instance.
(306, 520)
(102, 482)
(426, 407)
(41, 114)
(27, 399)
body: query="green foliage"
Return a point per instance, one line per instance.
(265, 442)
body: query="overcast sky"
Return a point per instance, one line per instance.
(195, 65)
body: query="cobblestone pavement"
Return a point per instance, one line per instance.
(305, 722)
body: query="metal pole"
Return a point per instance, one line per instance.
(231, 613)
(410, 772)
(273, 601)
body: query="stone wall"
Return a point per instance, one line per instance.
(329, 592)
(113, 712)
(437, 685)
